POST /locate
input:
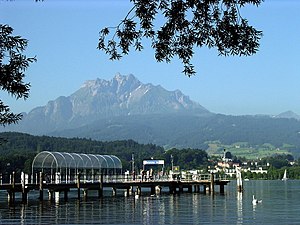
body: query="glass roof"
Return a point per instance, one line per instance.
(53, 160)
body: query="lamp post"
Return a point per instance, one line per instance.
(133, 172)
(132, 161)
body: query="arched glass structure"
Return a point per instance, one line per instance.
(68, 165)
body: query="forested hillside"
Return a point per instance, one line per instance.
(18, 150)
(189, 131)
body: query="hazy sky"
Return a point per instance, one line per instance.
(63, 35)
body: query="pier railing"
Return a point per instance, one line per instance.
(121, 178)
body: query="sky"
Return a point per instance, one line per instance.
(63, 35)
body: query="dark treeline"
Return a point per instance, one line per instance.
(277, 165)
(17, 150)
(293, 173)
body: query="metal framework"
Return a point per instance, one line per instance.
(70, 164)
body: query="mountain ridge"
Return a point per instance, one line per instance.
(98, 99)
(124, 108)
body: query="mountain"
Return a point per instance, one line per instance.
(126, 95)
(194, 131)
(288, 115)
(123, 108)
(101, 99)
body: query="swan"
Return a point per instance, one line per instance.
(255, 201)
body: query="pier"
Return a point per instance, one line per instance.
(61, 172)
(204, 183)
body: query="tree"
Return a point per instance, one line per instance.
(228, 155)
(187, 23)
(13, 64)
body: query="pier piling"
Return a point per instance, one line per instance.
(41, 186)
(239, 180)
(100, 191)
(222, 189)
(212, 184)
(152, 190)
(51, 195)
(78, 186)
(66, 195)
(11, 193)
(114, 191)
(24, 189)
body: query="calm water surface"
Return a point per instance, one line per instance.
(280, 205)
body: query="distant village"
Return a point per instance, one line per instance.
(258, 169)
(228, 167)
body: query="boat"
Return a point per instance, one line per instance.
(284, 176)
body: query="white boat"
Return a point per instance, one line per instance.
(284, 175)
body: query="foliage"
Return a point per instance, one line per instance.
(278, 161)
(19, 150)
(187, 158)
(277, 165)
(17, 153)
(13, 64)
(248, 152)
(241, 135)
(187, 23)
(293, 172)
(228, 155)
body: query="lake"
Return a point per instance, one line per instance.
(280, 205)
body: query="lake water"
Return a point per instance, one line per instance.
(280, 205)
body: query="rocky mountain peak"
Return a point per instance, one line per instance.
(127, 95)
(119, 84)
(98, 99)
(124, 84)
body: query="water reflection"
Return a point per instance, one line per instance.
(239, 207)
(196, 207)
(23, 216)
(162, 209)
(280, 201)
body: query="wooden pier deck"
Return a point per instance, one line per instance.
(206, 183)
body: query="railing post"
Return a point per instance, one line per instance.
(13, 180)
